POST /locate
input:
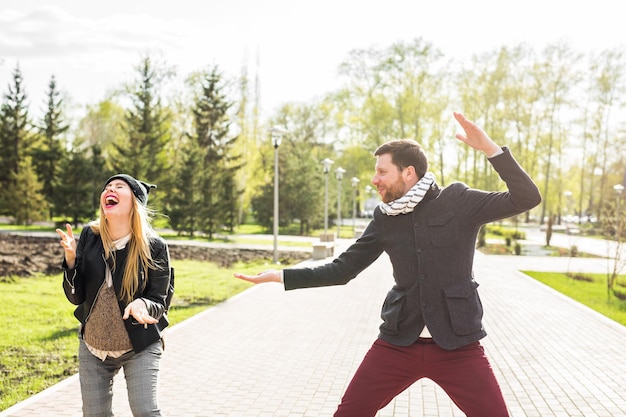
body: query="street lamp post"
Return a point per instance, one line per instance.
(339, 172)
(366, 206)
(619, 189)
(568, 199)
(355, 183)
(277, 135)
(619, 229)
(327, 163)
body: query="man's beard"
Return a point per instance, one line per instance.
(395, 191)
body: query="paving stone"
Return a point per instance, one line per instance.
(268, 352)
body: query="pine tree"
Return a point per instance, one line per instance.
(15, 135)
(51, 149)
(77, 189)
(218, 164)
(27, 203)
(143, 152)
(185, 200)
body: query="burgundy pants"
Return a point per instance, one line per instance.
(464, 374)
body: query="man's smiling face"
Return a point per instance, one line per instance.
(389, 180)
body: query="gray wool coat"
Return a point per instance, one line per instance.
(432, 252)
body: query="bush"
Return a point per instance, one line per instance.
(506, 232)
(481, 237)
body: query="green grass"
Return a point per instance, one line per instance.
(270, 241)
(588, 289)
(38, 343)
(250, 229)
(37, 338)
(503, 249)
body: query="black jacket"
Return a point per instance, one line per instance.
(432, 253)
(82, 283)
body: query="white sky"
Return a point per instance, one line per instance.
(91, 46)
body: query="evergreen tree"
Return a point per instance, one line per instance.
(77, 185)
(97, 173)
(27, 203)
(300, 187)
(263, 205)
(51, 148)
(185, 202)
(217, 164)
(15, 136)
(143, 152)
(301, 193)
(229, 201)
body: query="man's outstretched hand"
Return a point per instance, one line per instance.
(271, 275)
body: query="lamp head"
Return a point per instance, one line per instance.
(277, 134)
(327, 163)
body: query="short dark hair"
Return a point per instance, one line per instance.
(404, 153)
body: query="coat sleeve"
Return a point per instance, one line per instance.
(158, 279)
(522, 194)
(73, 283)
(342, 269)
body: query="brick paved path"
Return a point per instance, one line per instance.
(271, 353)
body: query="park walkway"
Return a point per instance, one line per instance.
(271, 353)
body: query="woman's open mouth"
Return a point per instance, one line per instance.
(110, 201)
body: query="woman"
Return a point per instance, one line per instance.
(118, 274)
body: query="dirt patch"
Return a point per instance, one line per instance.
(25, 255)
(29, 255)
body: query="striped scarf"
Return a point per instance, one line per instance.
(407, 202)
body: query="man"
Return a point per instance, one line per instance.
(432, 315)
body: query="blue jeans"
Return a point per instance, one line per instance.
(141, 372)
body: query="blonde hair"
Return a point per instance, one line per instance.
(138, 246)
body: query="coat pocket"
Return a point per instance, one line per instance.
(442, 229)
(392, 311)
(464, 307)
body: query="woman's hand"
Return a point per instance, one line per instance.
(137, 308)
(69, 244)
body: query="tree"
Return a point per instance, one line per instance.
(27, 202)
(557, 74)
(606, 95)
(15, 136)
(184, 204)
(75, 187)
(103, 126)
(615, 232)
(51, 148)
(143, 152)
(208, 165)
(482, 87)
(389, 92)
(247, 121)
(300, 174)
